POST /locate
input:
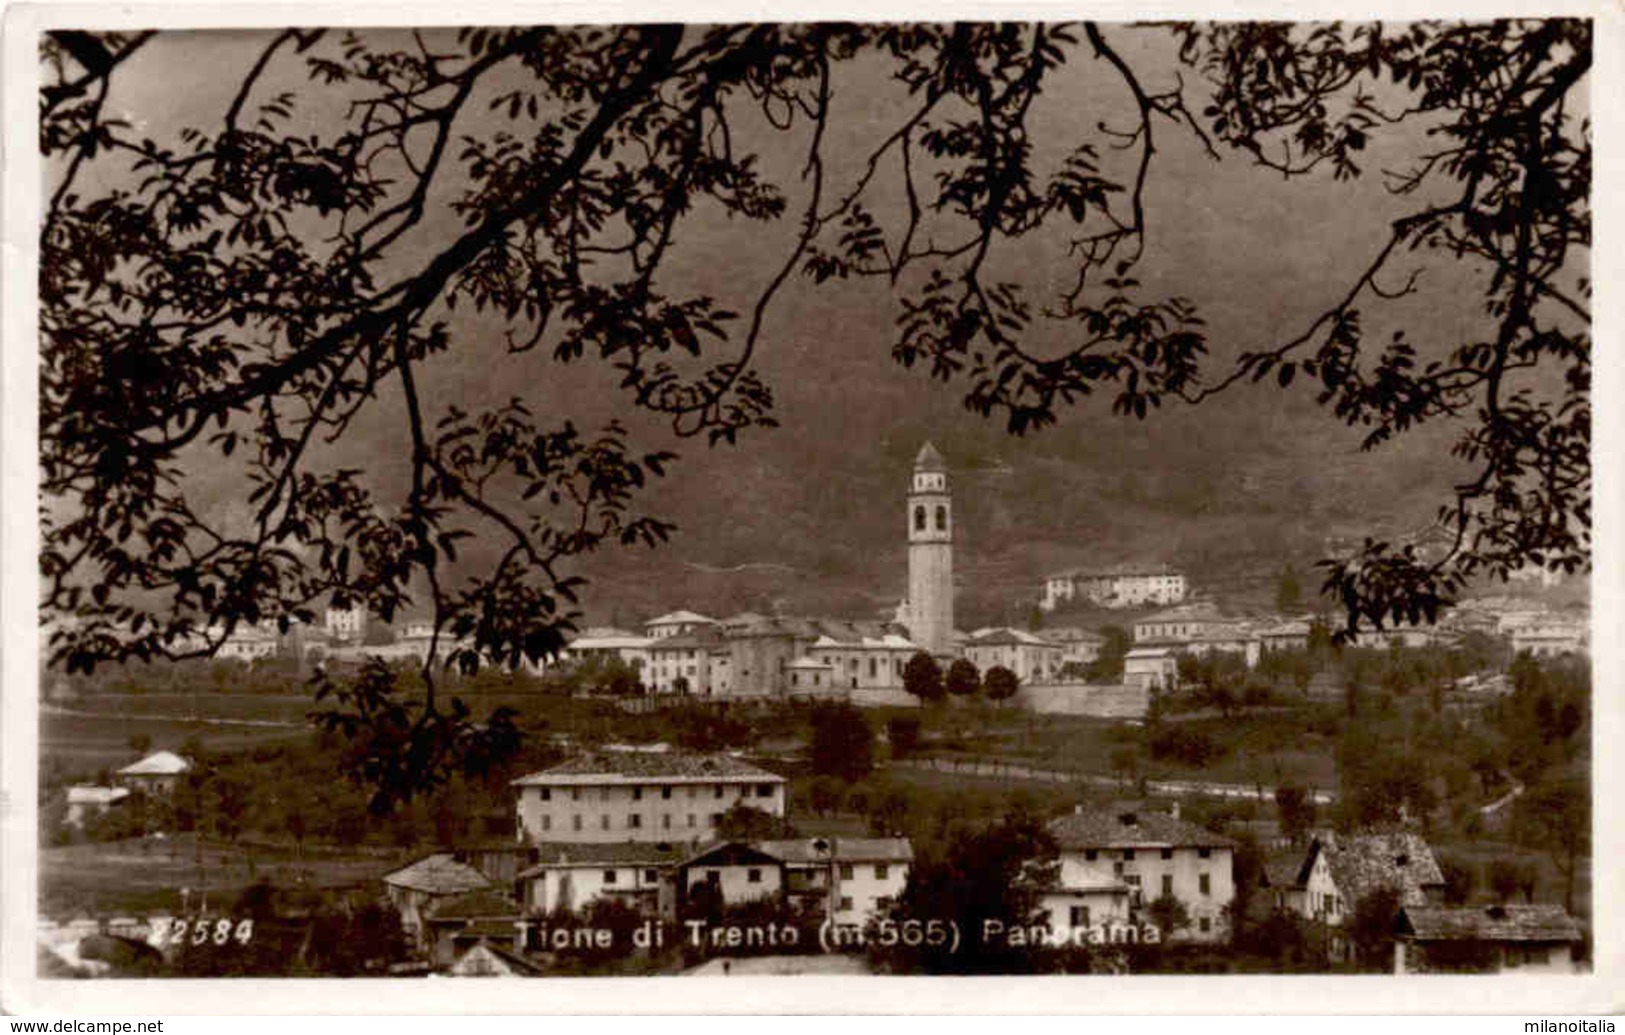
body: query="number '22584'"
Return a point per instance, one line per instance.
(204, 931)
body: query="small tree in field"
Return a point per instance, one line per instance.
(1000, 683)
(963, 679)
(922, 678)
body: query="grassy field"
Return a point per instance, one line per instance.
(79, 746)
(146, 875)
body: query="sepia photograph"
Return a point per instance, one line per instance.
(808, 499)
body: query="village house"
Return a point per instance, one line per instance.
(415, 888)
(1339, 870)
(609, 643)
(86, 800)
(453, 925)
(1288, 635)
(1115, 863)
(612, 796)
(1149, 668)
(684, 662)
(1032, 658)
(1127, 585)
(1522, 939)
(1550, 639)
(1186, 624)
(572, 876)
(1078, 646)
(158, 774)
(845, 879)
(247, 644)
(345, 624)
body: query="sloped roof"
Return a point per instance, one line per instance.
(679, 618)
(873, 849)
(707, 637)
(1503, 923)
(1006, 637)
(1283, 868)
(733, 853)
(561, 855)
(612, 767)
(1148, 830)
(438, 874)
(482, 903)
(511, 959)
(84, 794)
(1072, 634)
(838, 849)
(1199, 611)
(1363, 863)
(928, 459)
(159, 763)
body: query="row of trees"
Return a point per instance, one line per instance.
(924, 678)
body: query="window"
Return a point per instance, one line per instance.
(609, 795)
(609, 876)
(1205, 925)
(1203, 853)
(764, 790)
(651, 876)
(547, 822)
(665, 793)
(1167, 884)
(1128, 855)
(575, 794)
(881, 870)
(693, 792)
(634, 821)
(1090, 854)
(713, 876)
(942, 519)
(716, 819)
(846, 902)
(1204, 883)
(846, 871)
(919, 519)
(637, 794)
(575, 822)
(1079, 916)
(1132, 880)
(1117, 869)
(547, 794)
(719, 790)
(691, 821)
(665, 822)
(753, 875)
(1167, 853)
(872, 668)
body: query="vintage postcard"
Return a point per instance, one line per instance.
(816, 507)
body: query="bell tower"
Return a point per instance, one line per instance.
(930, 554)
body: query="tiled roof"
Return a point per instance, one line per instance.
(873, 849)
(707, 637)
(1363, 863)
(838, 849)
(1504, 923)
(559, 855)
(1129, 570)
(438, 874)
(1148, 829)
(481, 904)
(631, 767)
(1200, 611)
(1005, 637)
(84, 794)
(1071, 634)
(159, 763)
(1283, 868)
(678, 618)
